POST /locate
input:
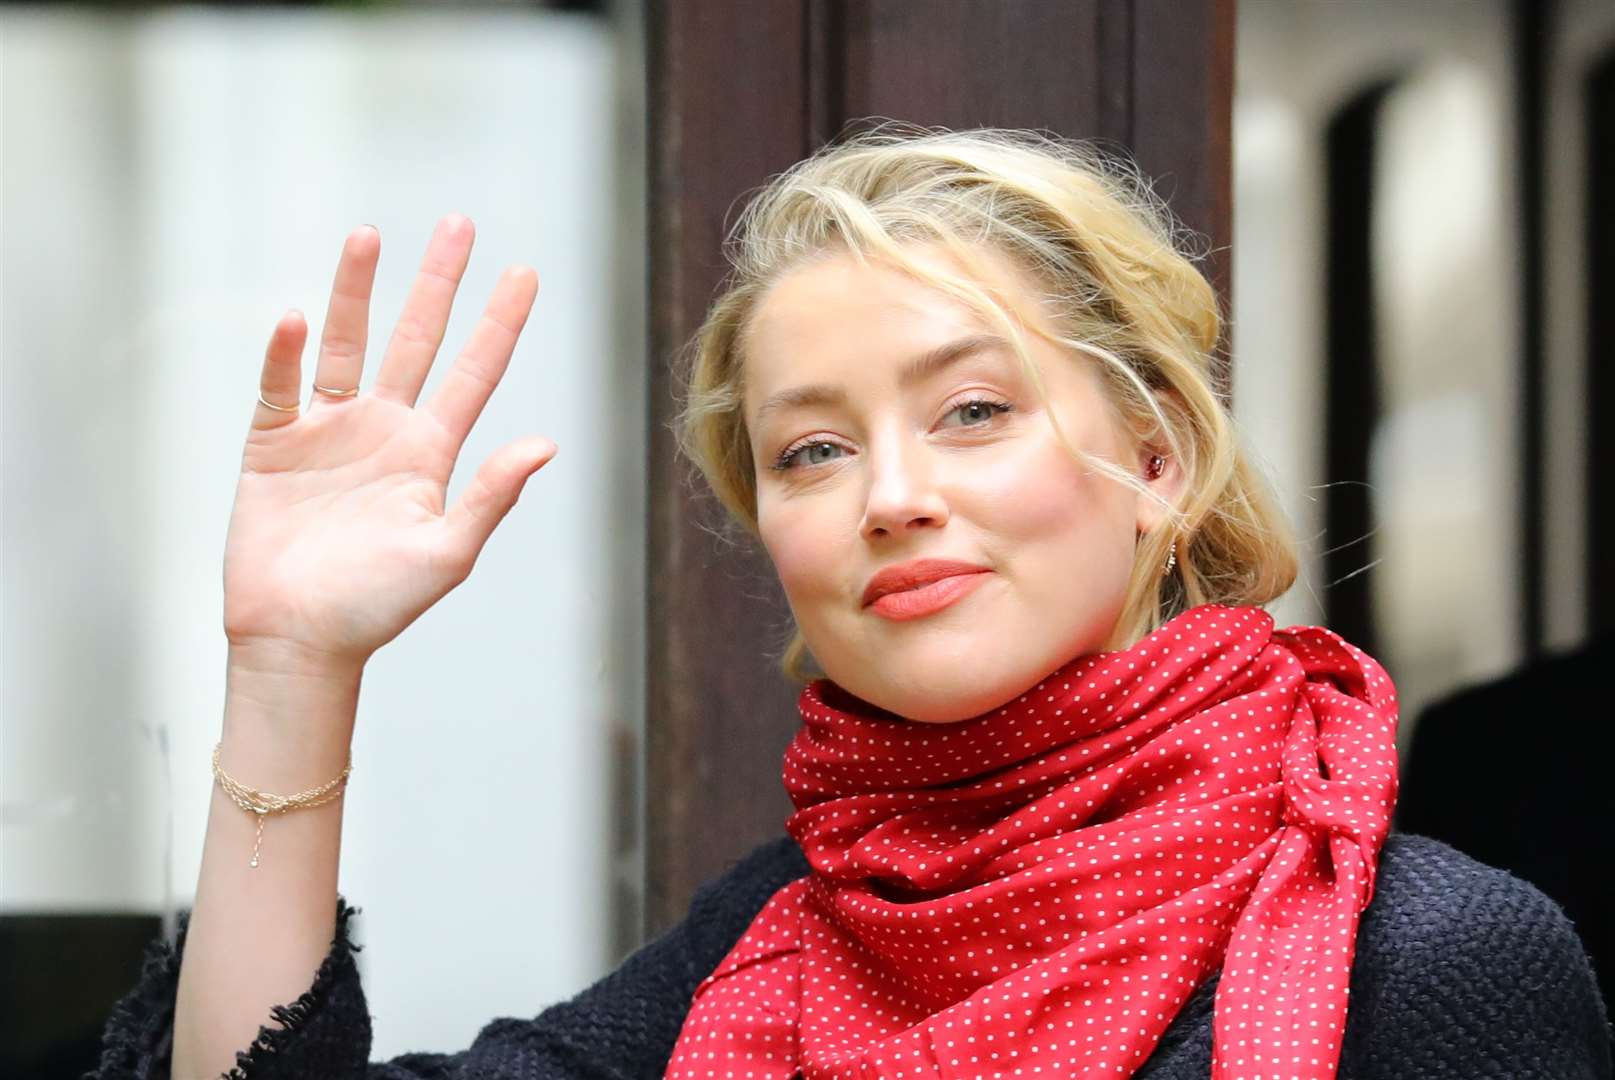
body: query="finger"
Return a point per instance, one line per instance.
(347, 319)
(493, 491)
(419, 333)
(459, 401)
(281, 380)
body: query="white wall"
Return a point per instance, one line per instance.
(173, 182)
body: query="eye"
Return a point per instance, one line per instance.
(978, 411)
(788, 456)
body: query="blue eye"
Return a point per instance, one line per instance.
(985, 408)
(982, 410)
(788, 457)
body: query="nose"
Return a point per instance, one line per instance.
(903, 494)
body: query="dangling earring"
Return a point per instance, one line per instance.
(1152, 471)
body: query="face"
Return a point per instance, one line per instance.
(867, 460)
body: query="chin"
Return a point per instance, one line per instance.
(943, 676)
(939, 712)
(934, 694)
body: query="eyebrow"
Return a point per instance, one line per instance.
(914, 370)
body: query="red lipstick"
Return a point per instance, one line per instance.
(913, 589)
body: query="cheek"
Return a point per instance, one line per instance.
(804, 544)
(1041, 496)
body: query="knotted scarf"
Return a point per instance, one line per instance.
(1037, 891)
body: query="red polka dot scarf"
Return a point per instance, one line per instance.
(1038, 890)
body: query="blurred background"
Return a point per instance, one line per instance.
(175, 178)
(1415, 241)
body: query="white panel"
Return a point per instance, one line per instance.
(83, 786)
(1277, 321)
(478, 816)
(1444, 462)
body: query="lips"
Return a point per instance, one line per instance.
(914, 575)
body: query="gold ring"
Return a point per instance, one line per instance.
(272, 405)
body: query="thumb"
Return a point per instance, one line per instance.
(495, 489)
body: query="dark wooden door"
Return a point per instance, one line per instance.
(739, 90)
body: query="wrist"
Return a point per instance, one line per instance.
(289, 697)
(275, 658)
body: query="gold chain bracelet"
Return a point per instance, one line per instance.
(262, 802)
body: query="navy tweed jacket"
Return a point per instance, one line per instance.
(1462, 971)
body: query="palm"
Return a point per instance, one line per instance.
(339, 537)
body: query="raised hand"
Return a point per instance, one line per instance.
(339, 537)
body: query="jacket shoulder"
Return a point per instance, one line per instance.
(725, 905)
(1428, 896)
(1462, 968)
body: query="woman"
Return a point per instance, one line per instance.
(1068, 803)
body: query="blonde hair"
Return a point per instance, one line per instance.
(1101, 245)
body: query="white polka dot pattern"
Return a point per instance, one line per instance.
(1036, 891)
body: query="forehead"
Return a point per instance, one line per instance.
(834, 308)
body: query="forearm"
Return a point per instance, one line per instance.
(258, 934)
